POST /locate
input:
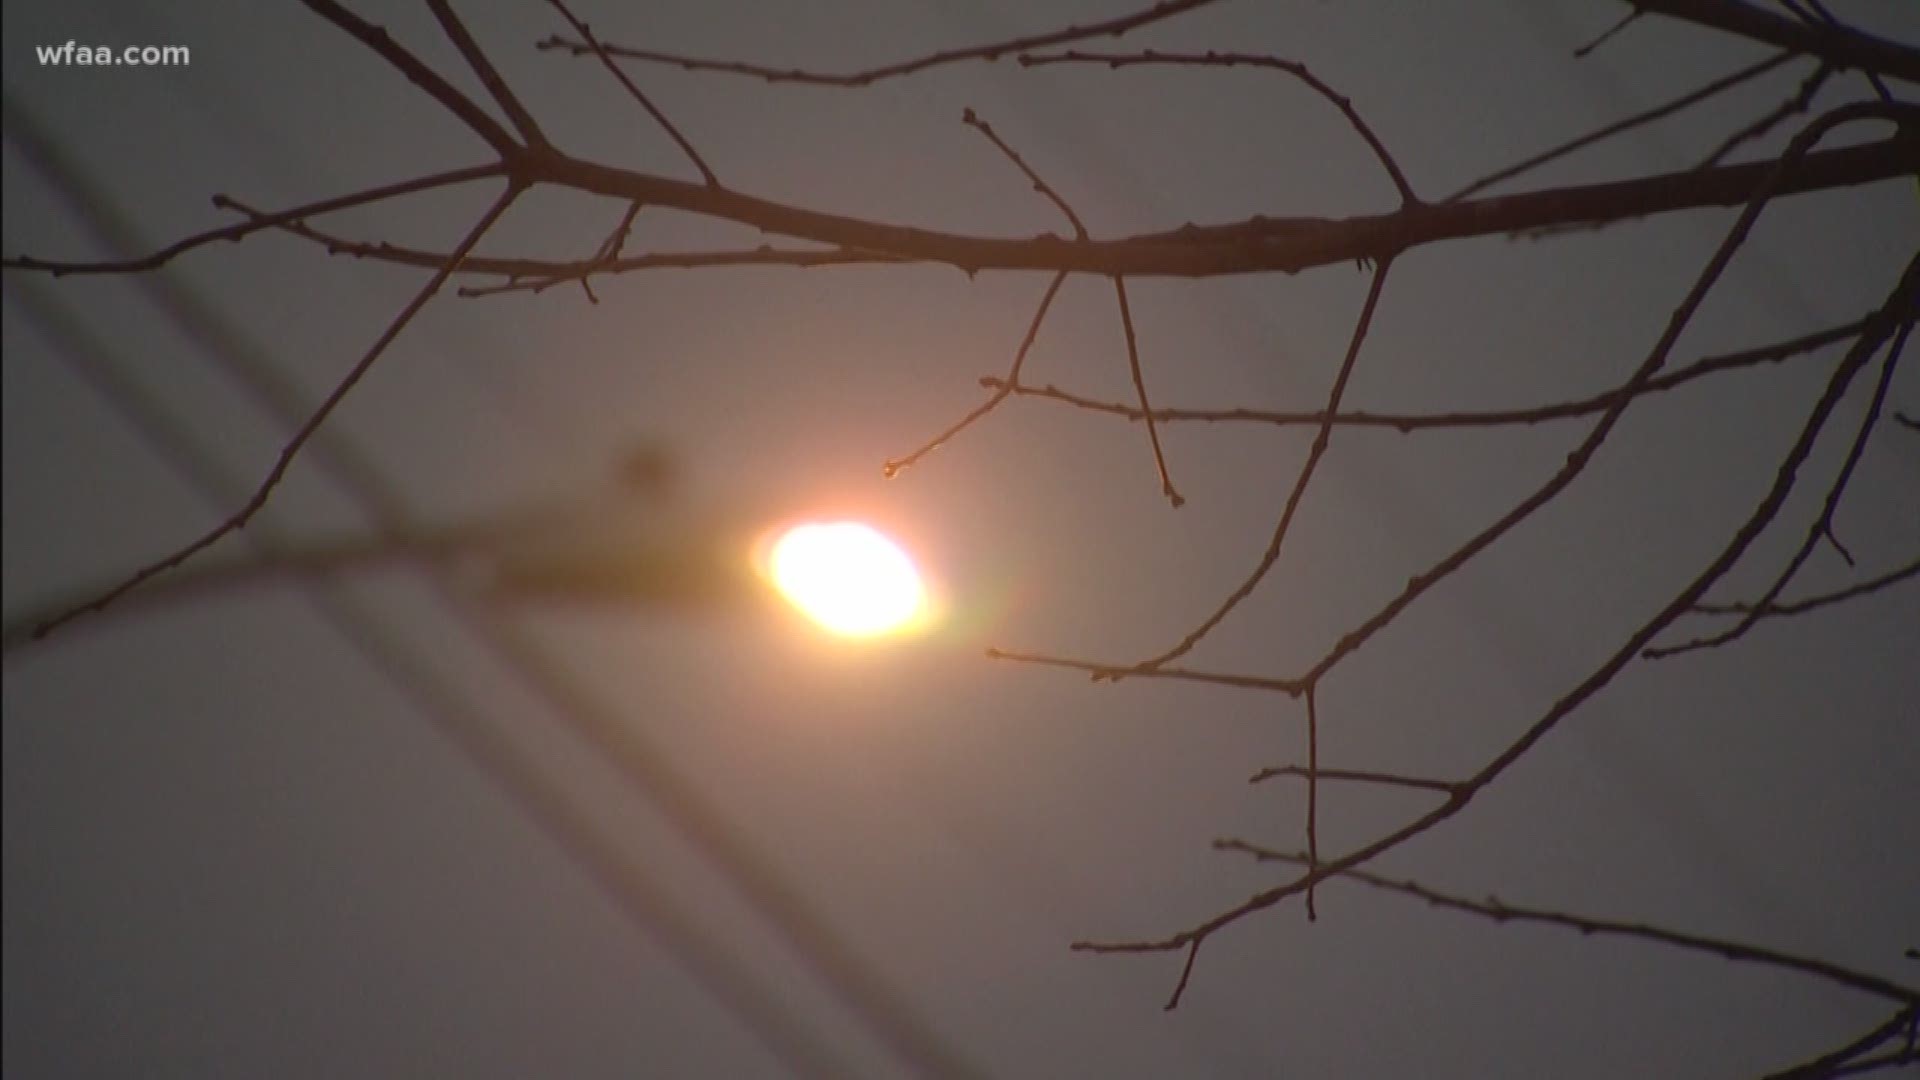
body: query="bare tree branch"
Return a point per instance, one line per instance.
(1822, 525)
(593, 44)
(1608, 34)
(1485, 418)
(1256, 245)
(419, 74)
(1115, 27)
(1493, 908)
(1321, 440)
(1639, 119)
(1899, 303)
(1230, 59)
(253, 505)
(1848, 1061)
(1310, 772)
(1815, 603)
(497, 88)
(258, 221)
(1838, 45)
(1796, 105)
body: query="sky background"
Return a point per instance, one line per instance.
(232, 848)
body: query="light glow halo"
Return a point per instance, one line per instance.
(848, 577)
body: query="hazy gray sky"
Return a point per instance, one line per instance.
(233, 848)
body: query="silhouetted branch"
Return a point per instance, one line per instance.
(1321, 440)
(1258, 244)
(1313, 796)
(1500, 912)
(1840, 46)
(1822, 526)
(1879, 85)
(1795, 105)
(1231, 59)
(610, 248)
(1848, 1061)
(259, 499)
(419, 74)
(1814, 603)
(1140, 394)
(1115, 672)
(972, 120)
(258, 220)
(1885, 322)
(1362, 776)
(593, 44)
(1116, 27)
(539, 275)
(1607, 35)
(893, 466)
(1484, 418)
(483, 68)
(1639, 119)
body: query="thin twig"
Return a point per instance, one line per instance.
(1186, 973)
(1607, 35)
(258, 221)
(1795, 105)
(1841, 46)
(1321, 440)
(483, 68)
(539, 275)
(1833, 1063)
(593, 43)
(1313, 796)
(1815, 603)
(1114, 673)
(1639, 119)
(1140, 394)
(992, 51)
(972, 120)
(611, 248)
(1411, 422)
(1362, 776)
(1501, 912)
(1822, 525)
(1879, 85)
(1233, 59)
(893, 466)
(419, 74)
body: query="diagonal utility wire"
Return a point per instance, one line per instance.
(535, 792)
(885, 1014)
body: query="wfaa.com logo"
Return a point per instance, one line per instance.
(74, 54)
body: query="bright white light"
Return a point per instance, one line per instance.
(848, 577)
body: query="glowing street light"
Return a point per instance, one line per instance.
(849, 578)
